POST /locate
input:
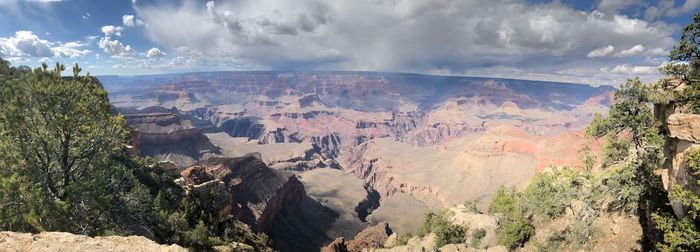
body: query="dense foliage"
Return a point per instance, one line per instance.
(682, 90)
(685, 65)
(683, 234)
(547, 197)
(445, 231)
(65, 165)
(515, 222)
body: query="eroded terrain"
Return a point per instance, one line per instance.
(372, 147)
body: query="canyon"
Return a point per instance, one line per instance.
(355, 148)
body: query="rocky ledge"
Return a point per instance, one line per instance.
(684, 138)
(66, 242)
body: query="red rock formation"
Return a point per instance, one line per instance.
(369, 238)
(161, 128)
(166, 136)
(268, 200)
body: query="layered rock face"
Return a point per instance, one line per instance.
(268, 200)
(168, 137)
(684, 137)
(401, 142)
(58, 241)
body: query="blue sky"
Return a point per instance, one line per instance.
(587, 41)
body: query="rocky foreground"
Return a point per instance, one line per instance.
(67, 242)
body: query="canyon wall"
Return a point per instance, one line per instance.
(168, 137)
(683, 137)
(400, 143)
(268, 200)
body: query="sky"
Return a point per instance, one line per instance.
(597, 42)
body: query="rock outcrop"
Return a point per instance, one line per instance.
(338, 245)
(684, 127)
(683, 138)
(369, 238)
(168, 137)
(67, 242)
(266, 199)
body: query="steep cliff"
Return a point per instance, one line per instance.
(268, 200)
(683, 136)
(168, 137)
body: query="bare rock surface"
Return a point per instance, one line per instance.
(338, 245)
(268, 200)
(684, 127)
(684, 132)
(168, 137)
(369, 238)
(66, 242)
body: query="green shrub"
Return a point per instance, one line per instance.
(615, 150)
(683, 234)
(587, 157)
(402, 239)
(470, 206)
(515, 223)
(477, 235)
(547, 195)
(623, 188)
(445, 231)
(553, 243)
(581, 231)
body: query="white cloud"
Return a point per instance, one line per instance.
(130, 21)
(73, 49)
(115, 47)
(600, 52)
(688, 6)
(635, 70)
(657, 52)
(155, 53)
(635, 50)
(110, 30)
(403, 35)
(668, 8)
(423, 35)
(86, 15)
(25, 44)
